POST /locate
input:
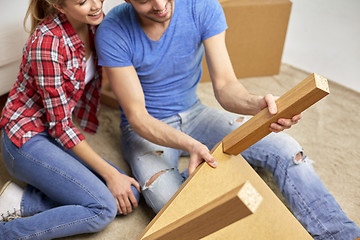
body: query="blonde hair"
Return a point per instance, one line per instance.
(38, 11)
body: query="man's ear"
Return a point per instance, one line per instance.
(59, 8)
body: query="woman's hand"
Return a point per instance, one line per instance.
(119, 184)
(120, 187)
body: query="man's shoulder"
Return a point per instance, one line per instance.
(117, 21)
(198, 2)
(199, 7)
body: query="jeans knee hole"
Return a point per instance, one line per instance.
(157, 153)
(299, 157)
(240, 120)
(155, 177)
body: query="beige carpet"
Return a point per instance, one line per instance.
(329, 133)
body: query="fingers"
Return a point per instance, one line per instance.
(192, 166)
(296, 118)
(128, 205)
(270, 102)
(274, 127)
(133, 200)
(135, 184)
(204, 155)
(131, 194)
(284, 123)
(124, 195)
(287, 123)
(126, 202)
(210, 160)
(122, 208)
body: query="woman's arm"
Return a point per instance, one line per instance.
(50, 77)
(119, 184)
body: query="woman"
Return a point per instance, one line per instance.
(71, 189)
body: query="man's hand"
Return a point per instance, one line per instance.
(198, 154)
(282, 123)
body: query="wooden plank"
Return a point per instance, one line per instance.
(223, 211)
(271, 221)
(293, 102)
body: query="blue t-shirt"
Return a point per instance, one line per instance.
(169, 69)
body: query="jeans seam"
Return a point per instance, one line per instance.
(58, 227)
(307, 208)
(7, 150)
(72, 180)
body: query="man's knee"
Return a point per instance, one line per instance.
(154, 177)
(159, 188)
(299, 158)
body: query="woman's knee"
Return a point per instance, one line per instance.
(105, 210)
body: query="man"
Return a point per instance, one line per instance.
(152, 52)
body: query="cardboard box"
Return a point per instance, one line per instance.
(255, 36)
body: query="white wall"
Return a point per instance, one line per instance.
(11, 12)
(12, 39)
(108, 4)
(324, 37)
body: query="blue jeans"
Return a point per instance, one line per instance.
(63, 196)
(308, 199)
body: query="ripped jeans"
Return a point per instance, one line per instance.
(278, 153)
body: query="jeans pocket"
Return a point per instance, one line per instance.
(125, 130)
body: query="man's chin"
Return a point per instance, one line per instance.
(159, 20)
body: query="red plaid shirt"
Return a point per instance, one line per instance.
(51, 83)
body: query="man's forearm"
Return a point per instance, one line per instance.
(161, 133)
(235, 98)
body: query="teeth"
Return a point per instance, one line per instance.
(97, 13)
(162, 11)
